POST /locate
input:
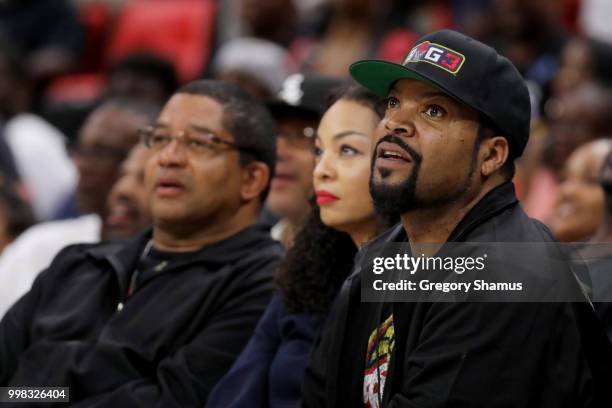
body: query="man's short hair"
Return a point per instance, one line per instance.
(245, 118)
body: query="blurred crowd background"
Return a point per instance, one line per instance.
(62, 59)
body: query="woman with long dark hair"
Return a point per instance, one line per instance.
(269, 371)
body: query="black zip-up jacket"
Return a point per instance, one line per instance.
(166, 345)
(467, 354)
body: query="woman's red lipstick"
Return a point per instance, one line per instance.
(325, 197)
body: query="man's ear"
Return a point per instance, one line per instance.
(255, 179)
(494, 152)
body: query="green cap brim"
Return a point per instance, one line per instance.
(378, 76)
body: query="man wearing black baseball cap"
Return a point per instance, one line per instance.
(457, 115)
(297, 111)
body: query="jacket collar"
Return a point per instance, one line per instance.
(123, 256)
(493, 203)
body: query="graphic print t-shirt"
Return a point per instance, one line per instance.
(378, 357)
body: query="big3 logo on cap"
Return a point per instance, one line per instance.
(437, 55)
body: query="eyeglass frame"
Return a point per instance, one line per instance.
(182, 137)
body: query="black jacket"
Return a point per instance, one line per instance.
(467, 354)
(169, 344)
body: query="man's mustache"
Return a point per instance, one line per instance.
(414, 155)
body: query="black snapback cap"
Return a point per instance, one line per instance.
(465, 69)
(304, 93)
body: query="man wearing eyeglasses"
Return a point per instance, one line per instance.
(157, 320)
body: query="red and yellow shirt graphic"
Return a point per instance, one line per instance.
(378, 357)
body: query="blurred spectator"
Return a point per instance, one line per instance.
(257, 66)
(351, 30)
(272, 20)
(583, 60)
(38, 150)
(128, 201)
(158, 319)
(128, 214)
(578, 210)
(49, 32)
(15, 215)
(106, 138)
(142, 76)
(297, 112)
(531, 34)
(578, 117)
(139, 76)
(527, 33)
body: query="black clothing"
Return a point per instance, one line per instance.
(601, 282)
(154, 261)
(165, 345)
(467, 354)
(268, 218)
